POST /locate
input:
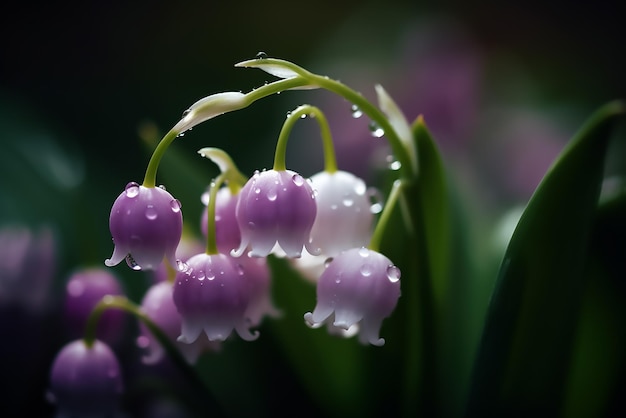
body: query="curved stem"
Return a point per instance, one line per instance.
(211, 241)
(123, 304)
(394, 195)
(330, 161)
(149, 179)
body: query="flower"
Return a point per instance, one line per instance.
(344, 219)
(259, 278)
(158, 305)
(146, 224)
(210, 107)
(359, 286)
(276, 207)
(84, 289)
(212, 293)
(227, 233)
(85, 381)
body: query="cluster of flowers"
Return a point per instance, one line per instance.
(322, 224)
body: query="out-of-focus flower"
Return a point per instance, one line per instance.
(276, 207)
(344, 219)
(188, 246)
(212, 294)
(259, 278)
(146, 224)
(85, 382)
(27, 266)
(359, 286)
(158, 305)
(84, 289)
(227, 235)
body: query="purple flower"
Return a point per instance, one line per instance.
(84, 289)
(359, 286)
(344, 219)
(259, 278)
(276, 207)
(158, 305)
(146, 224)
(27, 267)
(212, 293)
(227, 233)
(85, 381)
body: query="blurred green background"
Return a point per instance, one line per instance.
(505, 85)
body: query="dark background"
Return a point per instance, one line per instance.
(78, 80)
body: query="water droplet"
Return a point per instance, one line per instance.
(356, 111)
(143, 341)
(348, 202)
(303, 116)
(257, 190)
(200, 275)
(364, 252)
(392, 163)
(151, 212)
(297, 180)
(338, 279)
(185, 113)
(180, 135)
(204, 198)
(175, 204)
(182, 266)
(162, 187)
(210, 275)
(328, 261)
(366, 270)
(376, 199)
(261, 55)
(271, 194)
(240, 270)
(393, 273)
(360, 188)
(132, 263)
(376, 130)
(132, 189)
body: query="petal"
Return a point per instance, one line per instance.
(210, 107)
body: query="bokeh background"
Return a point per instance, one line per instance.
(87, 87)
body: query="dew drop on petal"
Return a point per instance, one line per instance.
(132, 189)
(364, 252)
(182, 266)
(393, 164)
(261, 55)
(240, 269)
(132, 263)
(356, 111)
(376, 199)
(338, 279)
(328, 261)
(348, 202)
(185, 113)
(375, 130)
(162, 187)
(200, 275)
(366, 270)
(151, 213)
(297, 180)
(257, 190)
(393, 273)
(210, 275)
(271, 194)
(175, 205)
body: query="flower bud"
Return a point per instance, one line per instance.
(359, 286)
(85, 381)
(146, 224)
(276, 207)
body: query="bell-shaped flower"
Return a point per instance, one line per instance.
(84, 289)
(85, 381)
(158, 305)
(227, 235)
(146, 224)
(359, 286)
(276, 206)
(259, 278)
(344, 219)
(212, 294)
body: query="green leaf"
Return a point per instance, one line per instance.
(523, 361)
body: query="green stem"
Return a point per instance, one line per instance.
(204, 395)
(330, 161)
(149, 179)
(211, 241)
(385, 216)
